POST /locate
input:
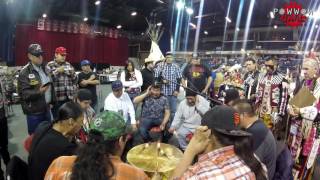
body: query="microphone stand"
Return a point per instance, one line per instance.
(213, 101)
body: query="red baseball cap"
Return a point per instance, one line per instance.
(61, 50)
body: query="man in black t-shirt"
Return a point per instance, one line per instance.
(264, 143)
(198, 76)
(88, 80)
(147, 74)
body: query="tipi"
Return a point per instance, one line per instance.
(154, 32)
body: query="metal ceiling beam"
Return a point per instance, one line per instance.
(252, 30)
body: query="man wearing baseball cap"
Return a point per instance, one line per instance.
(35, 89)
(120, 102)
(106, 142)
(64, 78)
(88, 80)
(224, 151)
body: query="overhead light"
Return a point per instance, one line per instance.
(159, 24)
(134, 13)
(44, 15)
(271, 15)
(85, 19)
(228, 19)
(242, 50)
(248, 54)
(237, 29)
(192, 25)
(119, 27)
(284, 38)
(159, 1)
(97, 3)
(180, 5)
(189, 11)
(206, 32)
(142, 33)
(213, 21)
(275, 27)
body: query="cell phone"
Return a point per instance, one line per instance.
(46, 84)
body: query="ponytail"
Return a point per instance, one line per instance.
(243, 149)
(93, 160)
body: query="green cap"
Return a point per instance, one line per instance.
(111, 124)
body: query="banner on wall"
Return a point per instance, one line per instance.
(44, 24)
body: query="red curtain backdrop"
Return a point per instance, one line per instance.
(79, 46)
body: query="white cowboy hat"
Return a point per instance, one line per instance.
(147, 60)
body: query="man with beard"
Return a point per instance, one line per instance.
(64, 78)
(251, 78)
(155, 111)
(188, 116)
(272, 95)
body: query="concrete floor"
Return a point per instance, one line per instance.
(18, 125)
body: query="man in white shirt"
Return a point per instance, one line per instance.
(120, 102)
(188, 116)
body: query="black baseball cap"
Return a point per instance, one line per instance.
(190, 92)
(225, 120)
(84, 95)
(35, 49)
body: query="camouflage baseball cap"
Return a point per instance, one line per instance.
(111, 124)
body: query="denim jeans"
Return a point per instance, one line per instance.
(33, 120)
(146, 125)
(173, 107)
